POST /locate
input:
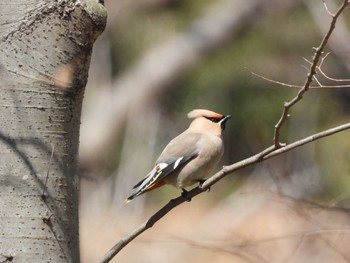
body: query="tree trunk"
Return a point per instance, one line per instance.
(45, 51)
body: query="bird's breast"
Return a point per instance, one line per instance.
(210, 152)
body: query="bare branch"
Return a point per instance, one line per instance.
(274, 81)
(221, 23)
(269, 152)
(327, 9)
(310, 77)
(339, 43)
(319, 68)
(308, 61)
(320, 86)
(308, 140)
(264, 155)
(318, 82)
(330, 78)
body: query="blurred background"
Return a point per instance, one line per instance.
(159, 59)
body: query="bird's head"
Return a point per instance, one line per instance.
(208, 121)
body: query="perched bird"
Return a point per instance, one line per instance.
(190, 157)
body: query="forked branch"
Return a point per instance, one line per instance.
(276, 149)
(264, 155)
(310, 76)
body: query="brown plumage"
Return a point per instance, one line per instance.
(190, 157)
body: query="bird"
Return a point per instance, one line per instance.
(190, 157)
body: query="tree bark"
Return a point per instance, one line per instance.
(45, 52)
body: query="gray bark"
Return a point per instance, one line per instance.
(45, 49)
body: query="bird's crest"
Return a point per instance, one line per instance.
(203, 113)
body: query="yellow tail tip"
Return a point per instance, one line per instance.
(127, 200)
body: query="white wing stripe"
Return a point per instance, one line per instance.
(150, 176)
(177, 162)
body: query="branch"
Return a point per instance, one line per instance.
(310, 77)
(325, 75)
(221, 23)
(264, 155)
(269, 152)
(320, 86)
(339, 44)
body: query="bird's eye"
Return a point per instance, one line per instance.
(216, 120)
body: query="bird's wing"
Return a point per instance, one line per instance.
(176, 154)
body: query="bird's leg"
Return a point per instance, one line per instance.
(184, 194)
(201, 182)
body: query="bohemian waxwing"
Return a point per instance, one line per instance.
(189, 157)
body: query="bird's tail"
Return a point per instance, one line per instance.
(140, 191)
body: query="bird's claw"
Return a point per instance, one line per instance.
(184, 194)
(201, 182)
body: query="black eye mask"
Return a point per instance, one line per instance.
(221, 120)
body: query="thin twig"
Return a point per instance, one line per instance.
(318, 82)
(308, 61)
(323, 59)
(330, 78)
(274, 81)
(327, 9)
(319, 68)
(310, 77)
(264, 155)
(269, 152)
(299, 86)
(308, 140)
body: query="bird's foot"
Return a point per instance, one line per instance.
(201, 182)
(184, 194)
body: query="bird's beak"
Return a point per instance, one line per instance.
(223, 121)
